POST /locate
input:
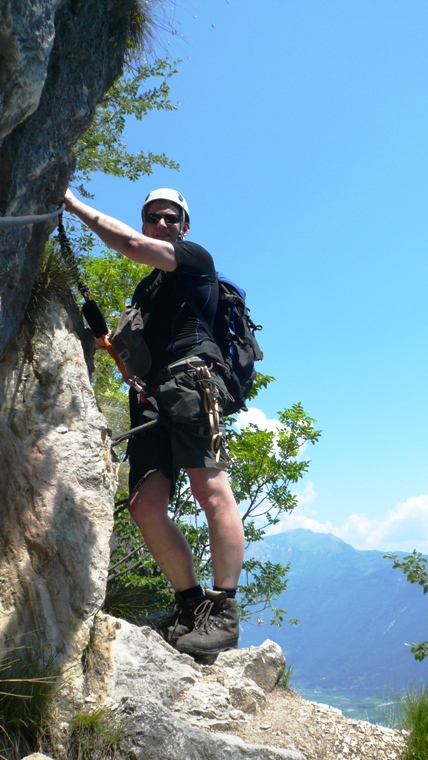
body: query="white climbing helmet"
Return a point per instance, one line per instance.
(167, 194)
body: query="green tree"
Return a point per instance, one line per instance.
(265, 467)
(102, 148)
(414, 568)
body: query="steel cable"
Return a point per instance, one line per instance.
(18, 221)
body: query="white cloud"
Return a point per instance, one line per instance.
(308, 495)
(303, 516)
(298, 519)
(403, 528)
(257, 417)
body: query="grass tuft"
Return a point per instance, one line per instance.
(286, 676)
(28, 685)
(150, 21)
(55, 278)
(98, 733)
(135, 603)
(413, 717)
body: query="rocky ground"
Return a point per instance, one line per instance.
(319, 732)
(235, 707)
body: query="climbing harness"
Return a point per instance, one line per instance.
(18, 221)
(210, 395)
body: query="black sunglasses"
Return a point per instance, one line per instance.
(169, 218)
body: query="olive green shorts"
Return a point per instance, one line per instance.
(182, 439)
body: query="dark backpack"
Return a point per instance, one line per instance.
(234, 333)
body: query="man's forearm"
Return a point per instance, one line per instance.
(111, 231)
(119, 236)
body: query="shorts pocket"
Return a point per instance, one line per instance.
(180, 398)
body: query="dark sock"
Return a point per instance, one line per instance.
(231, 592)
(194, 591)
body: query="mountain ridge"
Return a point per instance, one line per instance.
(355, 615)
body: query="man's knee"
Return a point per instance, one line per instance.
(211, 488)
(151, 497)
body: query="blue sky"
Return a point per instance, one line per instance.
(302, 137)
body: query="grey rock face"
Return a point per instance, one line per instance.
(153, 734)
(26, 37)
(142, 663)
(57, 485)
(171, 705)
(57, 58)
(264, 664)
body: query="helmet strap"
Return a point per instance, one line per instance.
(183, 219)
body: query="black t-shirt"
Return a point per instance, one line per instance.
(173, 330)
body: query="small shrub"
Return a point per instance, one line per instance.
(95, 734)
(134, 602)
(413, 717)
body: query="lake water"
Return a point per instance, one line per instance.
(374, 709)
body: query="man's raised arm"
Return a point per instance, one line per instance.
(122, 238)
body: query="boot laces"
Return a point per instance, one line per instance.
(202, 613)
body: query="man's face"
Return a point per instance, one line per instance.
(163, 221)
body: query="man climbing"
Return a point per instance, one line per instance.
(188, 387)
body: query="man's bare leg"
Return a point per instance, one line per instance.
(220, 631)
(212, 490)
(149, 509)
(148, 506)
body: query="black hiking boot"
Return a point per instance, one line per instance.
(182, 621)
(216, 626)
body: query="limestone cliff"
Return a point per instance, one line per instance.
(170, 708)
(57, 484)
(57, 58)
(57, 478)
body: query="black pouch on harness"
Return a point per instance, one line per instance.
(129, 343)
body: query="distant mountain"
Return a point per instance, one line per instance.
(355, 615)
